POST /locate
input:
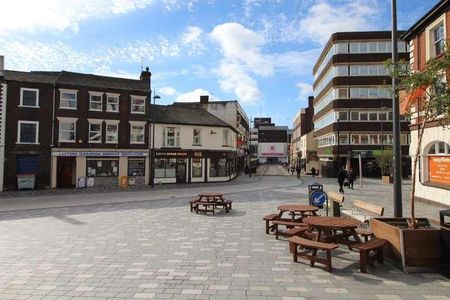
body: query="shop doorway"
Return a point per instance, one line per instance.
(181, 170)
(66, 171)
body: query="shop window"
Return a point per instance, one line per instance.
(136, 167)
(102, 167)
(29, 97)
(438, 167)
(218, 167)
(197, 167)
(165, 167)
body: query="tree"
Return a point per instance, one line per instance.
(427, 92)
(384, 161)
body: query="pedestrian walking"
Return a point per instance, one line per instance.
(292, 170)
(351, 178)
(341, 176)
(313, 171)
(298, 170)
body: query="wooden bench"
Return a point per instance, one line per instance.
(193, 204)
(337, 200)
(225, 204)
(315, 247)
(363, 212)
(268, 219)
(288, 223)
(207, 207)
(365, 256)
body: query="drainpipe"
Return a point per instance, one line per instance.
(52, 184)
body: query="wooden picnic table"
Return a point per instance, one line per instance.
(297, 210)
(211, 196)
(335, 229)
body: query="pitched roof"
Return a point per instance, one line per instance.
(102, 81)
(78, 79)
(30, 77)
(173, 114)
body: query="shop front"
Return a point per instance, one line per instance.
(194, 166)
(99, 168)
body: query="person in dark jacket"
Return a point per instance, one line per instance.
(341, 176)
(298, 170)
(351, 178)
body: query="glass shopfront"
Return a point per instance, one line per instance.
(102, 167)
(165, 167)
(197, 167)
(136, 167)
(218, 167)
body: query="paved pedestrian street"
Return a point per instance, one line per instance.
(159, 249)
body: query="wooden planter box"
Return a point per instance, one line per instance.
(387, 179)
(412, 250)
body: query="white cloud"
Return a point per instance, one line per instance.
(241, 48)
(192, 38)
(242, 45)
(305, 90)
(234, 79)
(31, 16)
(296, 62)
(194, 96)
(324, 19)
(167, 91)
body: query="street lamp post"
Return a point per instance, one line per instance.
(396, 121)
(338, 144)
(153, 138)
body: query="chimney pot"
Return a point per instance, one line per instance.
(204, 98)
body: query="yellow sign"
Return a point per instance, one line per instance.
(439, 168)
(123, 182)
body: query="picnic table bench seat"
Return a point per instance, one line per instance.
(365, 233)
(313, 246)
(288, 223)
(268, 219)
(225, 204)
(374, 246)
(207, 207)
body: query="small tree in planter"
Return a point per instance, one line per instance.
(384, 161)
(430, 91)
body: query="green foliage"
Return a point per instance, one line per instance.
(384, 161)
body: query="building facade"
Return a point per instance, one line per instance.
(427, 38)
(231, 113)
(76, 130)
(273, 144)
(192, 145)
(303, 147)
(352, 102)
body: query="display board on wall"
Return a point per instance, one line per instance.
(272, 150)
(136, 167)
(439, 169)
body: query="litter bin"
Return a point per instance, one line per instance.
(445, 241)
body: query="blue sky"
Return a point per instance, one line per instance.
(260, 52)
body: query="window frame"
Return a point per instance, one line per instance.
(111, 95)
(95, 122)
(226, 138)
(95, 94)
(199, 137)
(135, 124)
(109, 123)
(21, 97)
(141, 98)
(19, 131)
(62, 120)
(65, 91)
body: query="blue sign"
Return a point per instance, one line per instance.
(318, 198)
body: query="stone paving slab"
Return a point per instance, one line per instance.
(160, 250)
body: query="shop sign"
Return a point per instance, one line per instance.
(99, 153)
(198, 154)
(439, 168)
(171, 154)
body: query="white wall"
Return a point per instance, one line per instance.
(211, 137)
(423, 191)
